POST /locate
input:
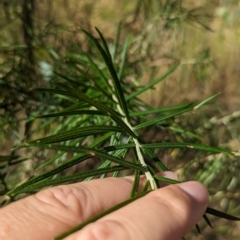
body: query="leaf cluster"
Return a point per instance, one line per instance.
(100, 116)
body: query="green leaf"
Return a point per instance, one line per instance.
(152, 83)
(163, 110)
(73, 134)
(104, 44)
(166, 180)
(123, 58)
(182, 131)
(206, 101)
(46, 175)
(187, 145)
(153, 156)
(68, 179)
(100, 86)
(135, 183)
(77, 149)
(93, 152)
(51, 160)
(108, 111)
(220, 214)
(93, 66)
(207, 220)
(105, 164)
(117, 147)
(116, 82)
(116, 42)
(146, 186)
(160, 119)
(96, 142)
(54, 91)
(73, 82)
(73, 112)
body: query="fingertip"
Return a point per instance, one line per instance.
(196, 191)
(167, 213)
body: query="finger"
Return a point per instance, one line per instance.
(53, 211)
(165, 214)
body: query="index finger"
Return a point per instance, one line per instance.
(53, 211)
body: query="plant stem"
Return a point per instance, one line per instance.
(137, 147)
(141, 159)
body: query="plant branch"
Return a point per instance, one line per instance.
(137, 147)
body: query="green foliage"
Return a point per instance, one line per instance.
(92, 111)
(100, 122)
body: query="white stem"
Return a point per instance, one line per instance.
(137, 147)
(141, 159)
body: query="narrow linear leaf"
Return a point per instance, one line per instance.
(151, 167)
(105, 164)
(54, 91)
(116, 42)
(116, 82)
(153, 156)
(135, 183)
(117, 147)
(123, 58)
(166, 180)
(163, 110)
(160, 119)
(146, 186)
(207, 220)
(17, 161)
(182, 131)
(220, 214)
(51, 160)
(74, 133)
(104, 44)
(198, 228)
(76, 160)
(95, 152)
(95, 218)
(96, 142)
(108, 111)
(187, 145)
(75, 83)
(73, 112)
(79, 149)
(206, 101)
(152, 83)
(115, 174)
(68, 179)
(93, 66)
(99, 85)
(76, 149)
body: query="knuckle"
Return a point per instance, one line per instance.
(69, 199)
(106, 230)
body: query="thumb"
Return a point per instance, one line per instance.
(165, 214)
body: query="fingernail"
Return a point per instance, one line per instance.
(196, 190)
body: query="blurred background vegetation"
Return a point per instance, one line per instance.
(203, 36)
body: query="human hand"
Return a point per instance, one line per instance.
(165, 214)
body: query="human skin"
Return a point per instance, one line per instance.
(164, 214)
